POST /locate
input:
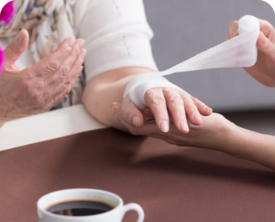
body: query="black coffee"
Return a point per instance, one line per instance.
(80, 208)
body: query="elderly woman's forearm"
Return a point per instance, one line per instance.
(103, 90)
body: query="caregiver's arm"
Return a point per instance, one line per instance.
(264, 70)
(118, 42)
(249, 145)
(215, 133)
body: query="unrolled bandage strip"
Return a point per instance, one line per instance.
(240, 51)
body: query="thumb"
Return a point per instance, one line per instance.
(16, 47)
(266, 46)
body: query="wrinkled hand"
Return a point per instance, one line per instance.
(211, 134)
(162, 103)
(38, 88)
(264, 70)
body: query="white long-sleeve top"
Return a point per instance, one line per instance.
(116, 32)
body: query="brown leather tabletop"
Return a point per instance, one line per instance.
(171, 183)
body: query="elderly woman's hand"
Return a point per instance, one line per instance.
(264, 70)
(38, 88)
(162, 103)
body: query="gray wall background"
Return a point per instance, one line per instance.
(184, 28)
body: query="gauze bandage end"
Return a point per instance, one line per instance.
(240, 51)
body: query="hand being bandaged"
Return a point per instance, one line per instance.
(138, 93)
(240, 51)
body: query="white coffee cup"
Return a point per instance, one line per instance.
(114, 215)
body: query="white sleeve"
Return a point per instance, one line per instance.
(117, 35)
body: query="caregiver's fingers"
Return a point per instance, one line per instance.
(266, 28)
(267, 47)
(203, 109)
(155, 100)
(175, 106)
(18, 45)
(51, 64)
(233, 29)
(191, 110)
(148, 113)
(146, 129)
(130, 113)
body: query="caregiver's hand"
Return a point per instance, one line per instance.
(264, 70)
(38, 88)
(211, 134)
(162, 102)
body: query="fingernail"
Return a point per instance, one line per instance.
(20, 36)
(184, 126)
(164, 126)
(71, 42)
(83, 53)
(135, 121)
(81, 43)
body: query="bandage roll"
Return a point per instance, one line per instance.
(240, 51)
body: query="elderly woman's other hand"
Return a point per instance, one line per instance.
(264, 70)
(38, 88)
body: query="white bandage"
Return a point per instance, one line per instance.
(240, 51)
(138, 93)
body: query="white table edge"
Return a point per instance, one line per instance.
(47, 126)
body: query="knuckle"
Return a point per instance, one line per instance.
(189, 103)
(185, 99)
(52, 65)
(169, 90)
(149, 93)
(67, 81)
(76, 51)
(174, 97)
(63, 70)
(153, 92)
(156, 100)
(79, 61)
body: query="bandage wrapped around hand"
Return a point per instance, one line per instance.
(138, 93)
(240, 51)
